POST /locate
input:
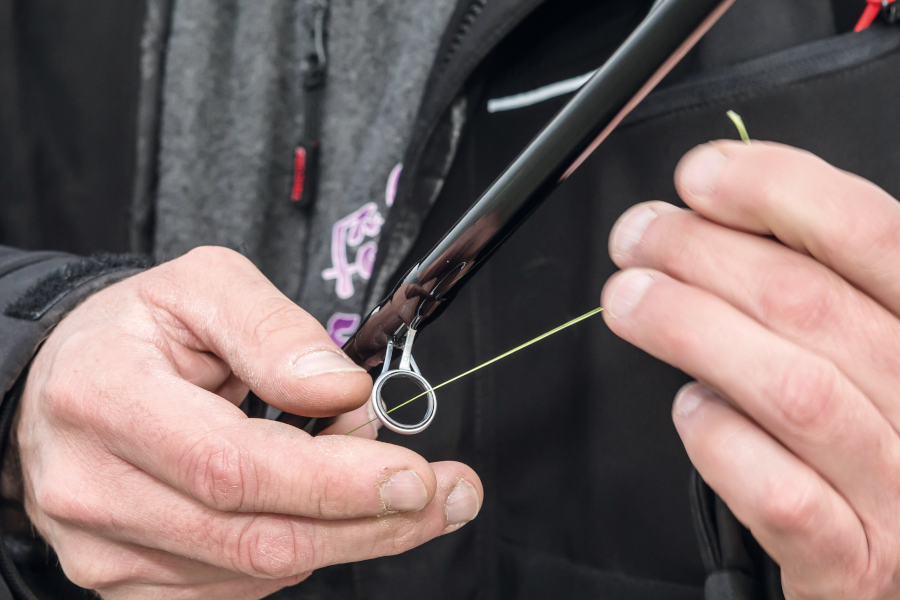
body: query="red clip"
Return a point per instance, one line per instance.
(871, 13)
(299, 174)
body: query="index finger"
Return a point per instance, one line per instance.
(843, 221)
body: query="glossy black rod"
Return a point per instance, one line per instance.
(668, 32)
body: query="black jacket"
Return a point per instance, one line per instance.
(643, 526)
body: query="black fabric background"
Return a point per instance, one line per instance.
(68, 102)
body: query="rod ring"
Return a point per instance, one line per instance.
(381, 410)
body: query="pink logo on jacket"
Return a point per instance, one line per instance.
(350, 232)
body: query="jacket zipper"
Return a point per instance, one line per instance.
(469, 17)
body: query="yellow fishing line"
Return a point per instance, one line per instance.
(492, 361)
(739, 123)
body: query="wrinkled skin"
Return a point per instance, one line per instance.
(148, 480)
(781, 295)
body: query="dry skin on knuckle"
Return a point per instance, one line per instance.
(331, 491)
(415, 534)
(273, 315)
(215, 472)
(395, 534)
(272, 547)
(341, 480)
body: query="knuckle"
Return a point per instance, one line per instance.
(327, 494)
(852, 579)
(876, 580)
(805, 396)
(216, 475)
(94, 570)
(214, 256)
(404, 539)
(272, 547)
(796, 300)
(770, 192)
(790, 509)
(269, 316)
(59, 397)
(80, 378)
(678, 250)
(58, 499)
(95, 563)
(870, 240)
(85, 573)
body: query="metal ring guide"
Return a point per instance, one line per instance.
(406, 370)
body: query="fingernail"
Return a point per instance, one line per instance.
(628, 292)
(689, 399)
(701, 171)
(404, 491)
(630, 228)
(628, 232)
(319, 363)
(462, 503)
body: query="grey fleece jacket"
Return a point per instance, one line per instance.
(232, 113)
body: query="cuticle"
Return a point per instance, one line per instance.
(320, 351)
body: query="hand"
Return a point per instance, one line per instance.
(797, 342)
(149, 482)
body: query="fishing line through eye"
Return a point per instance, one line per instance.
(490, 362)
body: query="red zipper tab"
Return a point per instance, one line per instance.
(871, 13)
(306, 174)
(299, 174)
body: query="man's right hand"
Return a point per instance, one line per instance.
(148, 480)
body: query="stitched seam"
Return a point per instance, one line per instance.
(748, 95)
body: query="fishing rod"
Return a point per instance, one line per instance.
(664, 37)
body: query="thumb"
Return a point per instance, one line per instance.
(218, 301)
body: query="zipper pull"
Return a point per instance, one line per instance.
(317, 61)
(891, 11)
(886, 7)
(306, 155)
